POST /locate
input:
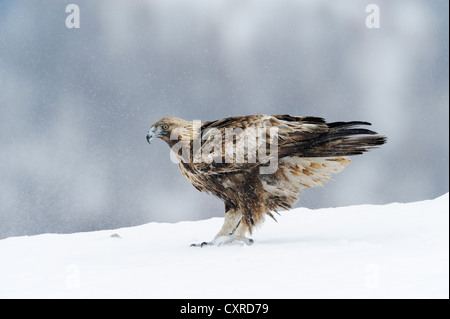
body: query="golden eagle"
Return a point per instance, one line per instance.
(258, 164)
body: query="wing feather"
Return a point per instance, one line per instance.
(305, 136)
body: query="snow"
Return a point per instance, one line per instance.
(390, 251)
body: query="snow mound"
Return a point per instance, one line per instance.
(389, 251)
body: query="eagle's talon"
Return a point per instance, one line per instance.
(226, 240)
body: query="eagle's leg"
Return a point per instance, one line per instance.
(236, 235)
(240, 232)
(231, 222)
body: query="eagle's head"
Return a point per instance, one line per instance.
(171, 130)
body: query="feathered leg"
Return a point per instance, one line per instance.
(233, 230)
(232, 220)
(240, 232)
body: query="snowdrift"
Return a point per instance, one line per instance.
(389, 251)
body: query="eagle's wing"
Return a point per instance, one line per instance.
(313, 137)
(232, 144)
(237, 143)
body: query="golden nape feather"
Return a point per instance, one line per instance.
(258, 164)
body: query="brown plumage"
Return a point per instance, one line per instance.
(258, 164)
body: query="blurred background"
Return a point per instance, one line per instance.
(76, 104)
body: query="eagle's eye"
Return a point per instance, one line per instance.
(165, 127)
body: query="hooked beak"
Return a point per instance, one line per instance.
(151, 135)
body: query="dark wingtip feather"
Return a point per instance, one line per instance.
(303, 119)
(347, 124)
